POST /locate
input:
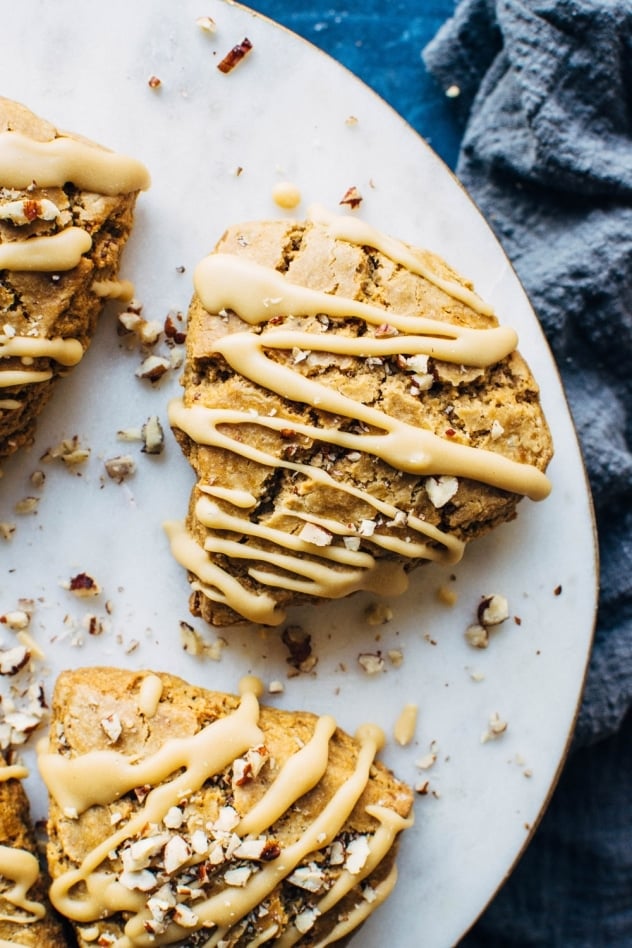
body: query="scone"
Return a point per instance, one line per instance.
(351, 409)
(66, 211)
(26, 917)
(188, 817)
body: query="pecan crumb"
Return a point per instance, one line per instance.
(315, 535)
(396, 657)
(153, 368)
(191, 639)
(206, 24)
(173, 332)
(299, 644)
(477, 635)
(93, 625)
(378, 614)
(17, 620)
(493, 610)
(441, 489)
(83, 585)
(427, 761)
(112, 727)
(371, 662)
(235, 56)
(27, 505)
(496, 728)
(37, 479)
(132, 323)
(153, 436)
(193, 643)
(69, 451)
(385, 330)
(119, 468)
(352, 198)
(12, 660)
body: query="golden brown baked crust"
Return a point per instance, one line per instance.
(52, 304)
(494, 409)
(83, 700)
(17, 833)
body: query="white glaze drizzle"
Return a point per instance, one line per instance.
(19, 867)
(149, 695)
(12, 377)
(67, 352)
(58, 161)
(361, 911)
(390, 824)
(50, 253)
(64, 351)
(356, 231)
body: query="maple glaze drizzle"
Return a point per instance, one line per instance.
(54, 163)
(227, 282)
(20, 867)
(175, 772)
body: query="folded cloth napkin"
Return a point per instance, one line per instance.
(547, 155)
(545, 90)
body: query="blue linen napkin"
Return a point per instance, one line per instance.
(547, 155)
(545, 92)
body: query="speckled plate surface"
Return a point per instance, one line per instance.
(216, 145)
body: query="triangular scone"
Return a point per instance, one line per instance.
(351, 409)
(26, 917)
(66, 211)
(189, 817)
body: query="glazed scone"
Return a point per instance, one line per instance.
(26, 917)
(189, 817)
(351, 409)
(66, 211)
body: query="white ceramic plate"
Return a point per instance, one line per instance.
(282, 115)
